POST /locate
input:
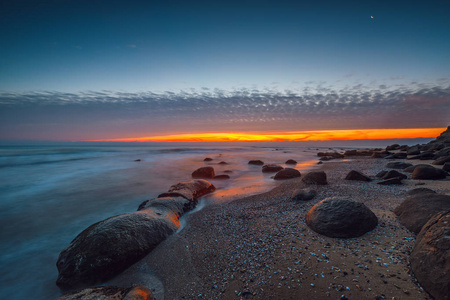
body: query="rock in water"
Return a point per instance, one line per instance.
(430, 258)
(315, 177)
(106, 248)
(428, 173)
(291, 162)
(190, 190)
(138, 292)
(208, 159)
(177, 205)
(271, 168)
(417, 209)
(303, 195)
(355, 175)
(341, 218)
(287, 173)
(221, 177)
(256, 162)
(204, 172)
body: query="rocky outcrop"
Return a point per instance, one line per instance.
(398, 165)
(358, 176)
(341, 218)
(428, 173)
(416, 210)
(271, 168)
(138, 292)
(430, 258)
(287, 173)
(291, 162)
(204, 172)
(315, 177)
(256, 162)
(303, 194)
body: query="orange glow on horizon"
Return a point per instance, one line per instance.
(316, 135)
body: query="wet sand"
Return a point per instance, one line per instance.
(259, 247)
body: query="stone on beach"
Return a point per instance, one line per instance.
(341, 218)
(441, 160)
(414, 150)
(287, 173)
(420, 190)
(394, 174)
(358, 176)
(176, 205)
(381, 174)
(398, 165)
(291, 162)
(204, 172)
(271, 168)
(315, 177)
(446, 167)
(430, 258)
(410, 169)
(138, 292)
(395, 180)
(256, 162)
(417, 209)
(303, 194)
(190, 190)
(428, 173)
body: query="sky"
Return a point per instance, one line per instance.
(100, 70)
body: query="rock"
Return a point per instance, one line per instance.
(177, 205)
(446, 167)
(414, 150)
(395, 180)
(221, 177)
(256, 162)
(208, 159)
(430, 258)
(137, 159)
(191, 190)
(108, 247)
(223, 163)
(393, 147)
(326, 158)
(138, 292)
(379, 155)
(330, 154)
(315, 177)
(428, 173)
(358, 153)
(228, 171)
(290, 162)
(400, 155)
(355, 175)
(204, 172)
(411, 168)
(398, 165)
(424, 155)
(381, 174)
(417, 209)
(319, 162)
(303, 194)
(394, 174)
(287, 173)
(419, 191)
(271, 168)
(441, 160)
(341, 218)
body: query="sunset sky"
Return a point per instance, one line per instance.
(80, 70)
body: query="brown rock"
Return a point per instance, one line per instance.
(204, 172)
(256, 162)
(315, 177)
(358, 176)
(287, 173)
(138, 292)
(190, 190)
(271, 168)
(428, 173)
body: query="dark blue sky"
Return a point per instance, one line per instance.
(290, 47)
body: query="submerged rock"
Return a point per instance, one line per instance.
(315, 177)
(208, 159)
(271, 168)
(430, 258)
(204, 172)
(256, 162)
(287, 173)
(341, 218)
(190, 190)
(138, 292)
(176, 205)
(291, 162)
(222, 177)
(358, 176)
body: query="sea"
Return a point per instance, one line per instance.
(49, 194)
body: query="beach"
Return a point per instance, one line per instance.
(260, 247)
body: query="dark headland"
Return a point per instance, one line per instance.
(368, 224)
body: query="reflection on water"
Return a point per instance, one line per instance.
(50, 194)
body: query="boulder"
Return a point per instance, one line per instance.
(315, 177)
(138, 292)
(414, 150)
(378, 155)
(191, 190)
(381, 174)
(395, 180)
(208, 159)
(394, 174)
(398, 165)
(221, 177)
(441, 160)
(271, 168)
(355, 175)
(291, 162)
(204, 172)
(223, 163)
(419, 191)
(303, 194)
(108, 247)
(256, 162)
(446, 167)
(392, 147)
(428, 173)
(411, 168)
(400, 155)
(430, 257)
(137, 159)
(176, 205)
(424, 155)
(341, 218)
(417, 209)
(287, 173)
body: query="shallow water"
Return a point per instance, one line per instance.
(49, 195)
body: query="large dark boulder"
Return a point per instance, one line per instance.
(398, 165)
(430, 258)
(358, 176)
(287, 173)
(441, 160)
(138, 292)
(414, 150)
(394, 174)
(341, 218)
(303, 194)
(410, 169)
(204, 172)
(108, 247)
(291, 162)
(271, 168)
(177, 205)
(417, 209)
(190, 190)
(315, 177)
(256, 162)
(428, 173)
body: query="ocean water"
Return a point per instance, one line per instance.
(49, 194)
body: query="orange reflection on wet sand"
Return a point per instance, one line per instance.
(317, 135)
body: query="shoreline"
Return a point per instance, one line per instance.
(260, 247)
